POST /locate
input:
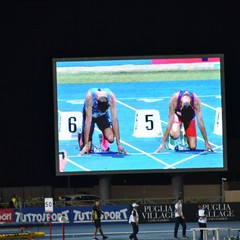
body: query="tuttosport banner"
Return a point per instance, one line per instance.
(6, 215)
(158, 213)
(73, 215)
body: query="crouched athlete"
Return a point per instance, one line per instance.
(98, 103)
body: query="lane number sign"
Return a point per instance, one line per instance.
(48, 203)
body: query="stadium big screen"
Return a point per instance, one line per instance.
(138, 92)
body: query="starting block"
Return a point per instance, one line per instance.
(69, 124)
(218, 122)
(147, 124)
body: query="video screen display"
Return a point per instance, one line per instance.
(139, 114)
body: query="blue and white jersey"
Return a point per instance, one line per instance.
(95, 112)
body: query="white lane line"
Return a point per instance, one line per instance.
(206, 105)
(128, 154)
(139, 150)
(131, 146)
(212, 144)
(143, 152)
(78, 165)
(147, 154)
(188, 158)
(126, 105)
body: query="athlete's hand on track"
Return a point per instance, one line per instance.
(121, 149)
(86, 149)
(161, 147)
(208, 147)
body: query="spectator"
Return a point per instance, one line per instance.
(133, 220)
(13, 201)
(202, 219)
(96, 218)
(179, 219)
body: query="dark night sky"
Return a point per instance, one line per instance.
(35, 32)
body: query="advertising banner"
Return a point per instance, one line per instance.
(6, 215)
(154, 213)
(165, 212)
(73, 215)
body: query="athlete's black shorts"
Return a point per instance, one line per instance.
(97, 223)
(102, 122)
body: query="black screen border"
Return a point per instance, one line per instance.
(223, 99)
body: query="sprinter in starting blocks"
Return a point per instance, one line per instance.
(178, 144)
(183, 107)
(101, 147)
(100, 109)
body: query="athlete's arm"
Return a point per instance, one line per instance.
(62, 161)
(115, 124)
(88, 122)
(171, 113)
(92, 216)
(198, 108)
(102, 212)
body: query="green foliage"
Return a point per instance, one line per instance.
(93, 77)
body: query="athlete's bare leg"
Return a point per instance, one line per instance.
(192, 142)
(108, 134)
(175, 131)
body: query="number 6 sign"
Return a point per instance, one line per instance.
(69, 124)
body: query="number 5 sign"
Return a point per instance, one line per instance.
(147, 123)
(48, 203)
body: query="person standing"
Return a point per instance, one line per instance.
(133, 220)
(202, 219)
(96, 218)
(13, 202)
(179, 219)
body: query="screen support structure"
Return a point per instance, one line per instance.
(105, 187)
(177, 185)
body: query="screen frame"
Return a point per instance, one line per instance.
(145, 171)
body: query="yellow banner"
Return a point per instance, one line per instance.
(22, 235)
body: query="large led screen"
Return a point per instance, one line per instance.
(139, 114)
